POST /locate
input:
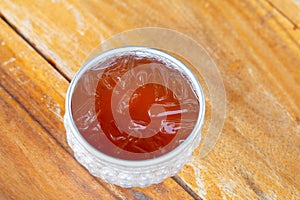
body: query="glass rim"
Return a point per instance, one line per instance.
(147, 162)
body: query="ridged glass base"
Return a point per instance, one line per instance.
(122, 174)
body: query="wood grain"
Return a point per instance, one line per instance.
(40, 91)
(33, 165)
(289, 9)
(257, 49)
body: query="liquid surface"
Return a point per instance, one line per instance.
(134, 107)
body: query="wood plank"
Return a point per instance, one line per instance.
(258, 53)
(33, 165)
(67, 41)
(41, 91)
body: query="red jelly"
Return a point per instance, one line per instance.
(134, 106)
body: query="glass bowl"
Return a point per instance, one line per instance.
(125, 172)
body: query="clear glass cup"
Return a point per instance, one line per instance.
(125, 172)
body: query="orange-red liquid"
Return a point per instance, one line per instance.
(149, 105)
(139, 106)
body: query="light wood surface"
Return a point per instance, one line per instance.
(35, 129)
(256, 45)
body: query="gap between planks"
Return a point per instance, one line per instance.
(177, 179)
(47, 58)
(58, 143)
(180, 182)
(294, 24)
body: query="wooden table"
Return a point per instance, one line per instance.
(256, 45)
